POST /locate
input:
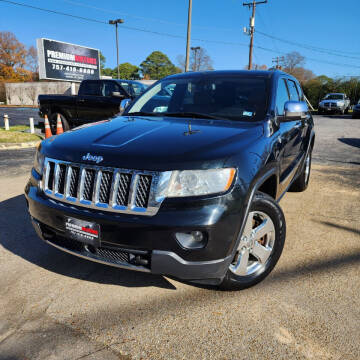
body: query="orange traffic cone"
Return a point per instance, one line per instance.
(47, 128)
(59, 127)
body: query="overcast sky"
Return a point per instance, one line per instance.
(217, 26)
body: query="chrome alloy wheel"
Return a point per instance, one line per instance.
(256, 245)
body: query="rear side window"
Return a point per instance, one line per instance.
(91, 88)
(110, 87)
(282, 96)
(294, 95)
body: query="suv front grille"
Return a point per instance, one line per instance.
(111, 189)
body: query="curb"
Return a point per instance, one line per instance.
(15, 146)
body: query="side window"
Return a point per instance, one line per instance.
(110, 87)
(127, 87)
(294, 95)
(301, 93)
(282, 96)
(91, 88)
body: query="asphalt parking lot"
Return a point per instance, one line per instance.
(56, 306)
(19, 116)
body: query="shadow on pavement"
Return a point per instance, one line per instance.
(19, 237)
(335, 116)
(341, 227)
(350, 141)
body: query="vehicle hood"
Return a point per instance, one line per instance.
(154, 143)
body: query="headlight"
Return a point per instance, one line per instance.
(39, 161)
(340, 103)
(195, 182)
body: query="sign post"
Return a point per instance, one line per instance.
(67, 62)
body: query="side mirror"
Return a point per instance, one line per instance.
(295, 110)
(117, 94)
(124, 104)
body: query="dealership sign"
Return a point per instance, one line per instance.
(67, 62)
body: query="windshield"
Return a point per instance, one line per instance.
(231, 98)
(334, 97)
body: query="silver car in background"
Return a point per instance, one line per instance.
(334, 103)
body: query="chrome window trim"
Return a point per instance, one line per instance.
(153, 203)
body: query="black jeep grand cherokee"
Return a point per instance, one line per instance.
(186, 183)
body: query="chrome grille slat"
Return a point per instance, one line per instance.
(102, 188)
(133, 190)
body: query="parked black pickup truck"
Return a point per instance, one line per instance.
(189, 188)
(96, 100)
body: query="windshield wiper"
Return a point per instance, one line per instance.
(190, 115)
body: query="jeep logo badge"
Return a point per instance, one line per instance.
(89, 157)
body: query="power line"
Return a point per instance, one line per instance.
(54, 11)
(312, 48)
(169, 35)
(144, 18)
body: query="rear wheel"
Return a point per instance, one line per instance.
(53, 121)
(302, 182)
(260, 246)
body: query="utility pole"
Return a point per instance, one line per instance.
(116, 22)
(195, 50)
(188, 37)
(252, 27)
(278, 60)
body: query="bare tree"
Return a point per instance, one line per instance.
(32, 62)
(293, 60)
(199, 60)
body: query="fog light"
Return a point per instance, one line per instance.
(191, 240)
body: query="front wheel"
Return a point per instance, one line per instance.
(260, 246)
(53, 122)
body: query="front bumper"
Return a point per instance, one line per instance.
(331, 108)
(147, 243)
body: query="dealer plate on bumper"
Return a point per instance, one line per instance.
(83, 231)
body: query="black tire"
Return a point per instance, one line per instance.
(347, 110)
(262, 203)
(320, 112)
(53, 120)
(302, 181)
